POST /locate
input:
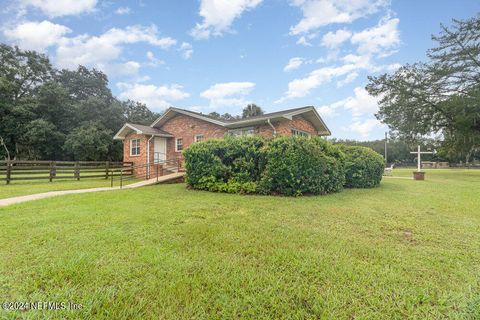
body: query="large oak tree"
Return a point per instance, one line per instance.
(440, 96)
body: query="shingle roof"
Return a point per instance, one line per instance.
(263, 116)
(148, 129)
(309, 112)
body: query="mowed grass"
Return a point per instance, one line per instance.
(406, 250)
(25, 187)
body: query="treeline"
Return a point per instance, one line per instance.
(50, 114)
(398, 151)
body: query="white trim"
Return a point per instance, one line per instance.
(241, 131)
(195, 137)
(171, 109)
(138, 146)
(148, 156)
(236, 124)
(308, 134)
(176, 144)
(126, 125)
(118, 135)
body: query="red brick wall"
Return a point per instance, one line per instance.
(140, 159)
(185, 127)
(284, 128)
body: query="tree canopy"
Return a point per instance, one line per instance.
(439, 96)
(59, 114)
(251, 110)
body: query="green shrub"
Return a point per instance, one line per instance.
(363, 167)
(285, 165)
(296, 165)
(228, 165)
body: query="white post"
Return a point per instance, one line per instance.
(418, 159)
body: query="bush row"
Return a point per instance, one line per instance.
(284, 165)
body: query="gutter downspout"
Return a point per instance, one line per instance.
(148, 156)
(271, 125)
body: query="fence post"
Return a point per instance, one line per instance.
(77, 170)
(111, 182)
(156, 167)
(51, 171)
(121, 178)
(107, 166)
(9, 168)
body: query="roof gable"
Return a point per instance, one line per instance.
(139, 129)
(308, 112)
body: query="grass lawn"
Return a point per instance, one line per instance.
(24, 187)
(408, 249)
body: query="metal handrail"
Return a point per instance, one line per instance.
(177, 161)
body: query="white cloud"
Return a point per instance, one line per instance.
(228, 94)
(186, 49)
(56, 8)
(129, 68)
(302, 87)
(319, 13)
(303, 41)
(362, 103)
(348, 79)
(153, 61)
(378, 39)
(364, 128)
(97, 50)
(218, 16)
(293, 63)
(155, 97)
(123, 10)
(36, 35)
(334, 39)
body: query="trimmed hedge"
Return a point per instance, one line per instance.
(285, 165)
(363, 167)
(229, 165)
(296, 166)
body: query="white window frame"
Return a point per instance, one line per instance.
(136, 147)
(300, 133)
(176, 144)
(245, 131)
(195, 138)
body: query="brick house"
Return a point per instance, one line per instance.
(177, 128)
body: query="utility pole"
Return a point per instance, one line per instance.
(386, 140)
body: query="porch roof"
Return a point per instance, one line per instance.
(140, 129)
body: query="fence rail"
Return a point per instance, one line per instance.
(147, 171)
(35, 170)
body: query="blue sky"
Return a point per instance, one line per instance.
(214, 55)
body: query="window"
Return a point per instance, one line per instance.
(178, 144)
(199, 137)
(242, 132)
(135, 147)
(300, 133)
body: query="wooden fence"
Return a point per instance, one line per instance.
(34, 170)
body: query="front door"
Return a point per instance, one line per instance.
(160, 149)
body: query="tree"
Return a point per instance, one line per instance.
(225, 116)
(215, 115)
(44, 141)
(137, 112)
(90, 141)
(440, 96)
(251, 110)
(21, 75)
